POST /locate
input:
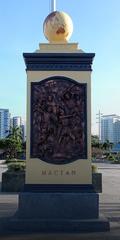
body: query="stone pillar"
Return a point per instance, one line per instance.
(64, 156)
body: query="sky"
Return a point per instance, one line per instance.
(96, 29)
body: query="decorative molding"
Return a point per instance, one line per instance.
(58, 61)
(79, 188)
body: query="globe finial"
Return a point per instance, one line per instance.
(58, 27)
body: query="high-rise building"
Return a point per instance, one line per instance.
(16, 122)
(110, 128)
(23, 130)
(4, 123)
(117, 131)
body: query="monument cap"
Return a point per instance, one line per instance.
(58, 27)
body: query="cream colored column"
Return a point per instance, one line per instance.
(77, 172)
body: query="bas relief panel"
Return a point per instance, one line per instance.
(58, 120)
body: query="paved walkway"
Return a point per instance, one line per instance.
(109, 206)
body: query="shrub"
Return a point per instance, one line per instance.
(94, 168)
(116, 161)
(111, 158)
(16, 166)
(11, 160)
(14, 160)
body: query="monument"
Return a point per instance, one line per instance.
(58, 109)
(59, 196)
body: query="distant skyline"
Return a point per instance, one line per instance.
(96, 29)
(13, 116)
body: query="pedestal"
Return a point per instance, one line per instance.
(50, 212)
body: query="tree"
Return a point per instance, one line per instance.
(95, 141)
(2, 144)
(14, 142)
(106, 145)
(97, 151)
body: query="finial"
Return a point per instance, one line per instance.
(58, 27)
(53, 5)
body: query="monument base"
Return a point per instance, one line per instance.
(22, 225)
(52, 212)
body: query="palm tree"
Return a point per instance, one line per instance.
(106, 145)
(2, 144)
(14, 142)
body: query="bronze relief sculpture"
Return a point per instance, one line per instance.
(58, 120)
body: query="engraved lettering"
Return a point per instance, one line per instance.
(56, 173)
(43, 172)
(73, 172)
(50, 173)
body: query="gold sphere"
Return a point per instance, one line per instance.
(58, 27)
